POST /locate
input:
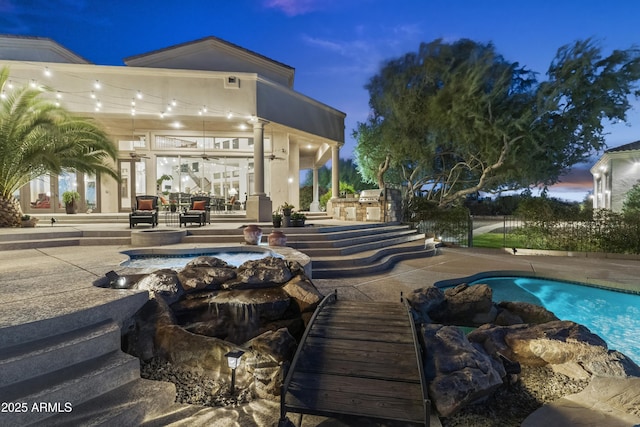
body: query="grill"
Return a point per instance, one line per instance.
(370, 196)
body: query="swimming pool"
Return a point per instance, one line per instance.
(614, 316)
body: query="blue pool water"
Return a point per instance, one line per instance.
(178, 261)
(614, 316)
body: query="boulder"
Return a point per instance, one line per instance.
(204, 277)
(568, 347)
(278, 346)
(506, 318)
(303, 293)
(269, 353)
(458, 373)
(529, 313)
(208, 261)
(235, 316)
(466, 305)
(261, 273)
(138, 338)
(200, 354)
(164, 283)
(425, 300)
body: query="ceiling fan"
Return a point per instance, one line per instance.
(136, 156)
(274, 157)
(204, 155)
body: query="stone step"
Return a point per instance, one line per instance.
(69, 387)
(38, 244)
(43, 356)
(128, 405)
(369, 245)
(368, 262)
(64, 312)
(346, 239)
(39, 234)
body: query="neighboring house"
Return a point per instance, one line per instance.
(216, 118)
(614, 174)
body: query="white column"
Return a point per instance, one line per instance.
(258, 158)
(335, 173)
(315, 204)
(258, 204)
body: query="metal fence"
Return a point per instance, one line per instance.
(453, 231)
(611, 235)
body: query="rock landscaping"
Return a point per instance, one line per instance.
(486, 363)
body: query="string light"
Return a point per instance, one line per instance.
(112, 92)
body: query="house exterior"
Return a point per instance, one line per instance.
(614, 174)
(203, 117)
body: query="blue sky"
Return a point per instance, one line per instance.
(335, 45)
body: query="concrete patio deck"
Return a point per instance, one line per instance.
(27, 274)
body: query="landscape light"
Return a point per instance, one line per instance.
(233, 360)
(115, 280)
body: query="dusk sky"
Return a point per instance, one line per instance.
(335, 46)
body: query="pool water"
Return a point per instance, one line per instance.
(614, 316)
(179, 261)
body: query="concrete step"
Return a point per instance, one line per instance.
(43, 356)
(344, 239)
(128, 405)
(39, 234)
(66, 388)
(63, 312)
(367, 263)
(369, 245)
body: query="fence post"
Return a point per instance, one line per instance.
(470, 231)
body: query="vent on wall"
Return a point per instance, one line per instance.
(232, 82)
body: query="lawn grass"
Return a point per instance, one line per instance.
(494, 240)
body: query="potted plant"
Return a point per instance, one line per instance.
(28, 221)
(276, 217)
(70, 200)
(298, 219)
(286, 209)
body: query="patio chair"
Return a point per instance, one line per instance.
(145, 211)
(199, 211)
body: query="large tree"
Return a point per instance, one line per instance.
(36, 138)
(454, 119)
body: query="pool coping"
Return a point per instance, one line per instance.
(601, 284)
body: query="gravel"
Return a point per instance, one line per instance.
(509, 406)
(193, 388)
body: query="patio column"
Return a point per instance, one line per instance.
(315, 204)
(335, 173)
(258, 204)
(258, 157)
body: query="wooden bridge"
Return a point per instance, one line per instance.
(358, 359)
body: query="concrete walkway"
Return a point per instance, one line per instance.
(26, 274)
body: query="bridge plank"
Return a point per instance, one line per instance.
(358, 359)
(357, 396)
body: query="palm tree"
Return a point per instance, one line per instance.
(37, 138)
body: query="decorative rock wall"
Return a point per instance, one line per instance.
(463, 369)
(208, 308)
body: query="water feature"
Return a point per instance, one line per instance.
(155, 260)
(614, 316)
